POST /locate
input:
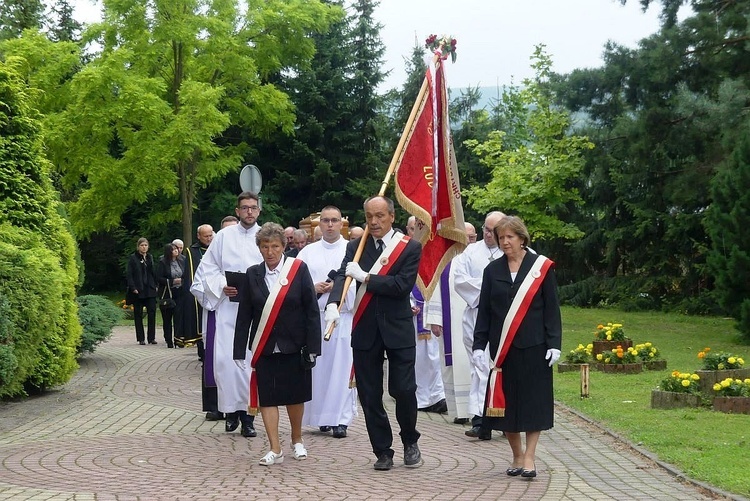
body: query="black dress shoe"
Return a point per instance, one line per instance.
(141, 342)
(248, 431)
(152, 342)
(214, 416)
(412, 456)
(232, 422)
(440, 407)
(514, 472)
(384, 462)
(325, 429)
(339, 431)
(170, 345)
(478, 432)
(460, 420)
(528, 473)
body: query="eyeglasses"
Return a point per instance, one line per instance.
(486, 229)
(251, 208)
(329, 220)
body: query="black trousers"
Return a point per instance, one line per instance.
(209, 394)
(172, 318)
(150, 304)
(402, 386)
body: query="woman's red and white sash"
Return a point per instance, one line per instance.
(518, 309)
(271, 309)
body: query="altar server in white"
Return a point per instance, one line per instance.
(427, 363)
(233, 249)
(445, 320)
(468, 268)
(334, 404)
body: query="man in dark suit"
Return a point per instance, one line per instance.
(383, 327)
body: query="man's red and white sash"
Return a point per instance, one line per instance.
(382, 266)
(268, 317)
(518, 309)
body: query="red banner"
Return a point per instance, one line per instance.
(426, 179)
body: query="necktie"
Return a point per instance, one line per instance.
(380, 245)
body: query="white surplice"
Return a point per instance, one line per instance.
(427, 363)
(468, 268)
(232, 249)
(333, 402)
(456, 368)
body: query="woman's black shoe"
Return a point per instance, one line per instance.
(514, 472)
(528, 473)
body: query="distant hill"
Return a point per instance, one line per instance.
(489, 95)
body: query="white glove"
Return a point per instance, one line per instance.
(331, 317)
(240, 364)
(353, 270)
(479, 358)
(553, 355)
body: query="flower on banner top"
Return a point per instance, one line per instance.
(580, 354)
(647, 352)
(609, 332)
(681, 382)
(448, 43)
(618, 356)
(733, 388)
(720, 361)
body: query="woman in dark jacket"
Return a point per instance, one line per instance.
(278, 305)
(142, 289)
(169, 275)
(520, 285)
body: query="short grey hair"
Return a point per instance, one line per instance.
(269, 232)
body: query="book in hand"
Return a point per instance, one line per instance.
(236, 279)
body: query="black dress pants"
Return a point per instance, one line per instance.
(150, 304)
(402, 386)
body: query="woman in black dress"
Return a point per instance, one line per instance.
(287, 324)
(142, 291)
(530, 349)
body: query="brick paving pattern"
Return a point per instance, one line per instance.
(129, 426)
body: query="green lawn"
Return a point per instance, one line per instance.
(709, 446)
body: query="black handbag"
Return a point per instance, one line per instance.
(167, 302)
(307, 358)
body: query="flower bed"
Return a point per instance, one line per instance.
(673, 400)
(711, 378)
(602, 346)
(732, 405)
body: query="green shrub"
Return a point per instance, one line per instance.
(38, 271)
(8, 360)
(44, 338)
(97, 315)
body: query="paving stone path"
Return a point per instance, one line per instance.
(129, 427)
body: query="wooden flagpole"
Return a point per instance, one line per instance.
(387, 179)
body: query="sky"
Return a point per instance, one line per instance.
(497, 37)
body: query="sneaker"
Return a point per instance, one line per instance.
(272, 458)
(300, 452)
